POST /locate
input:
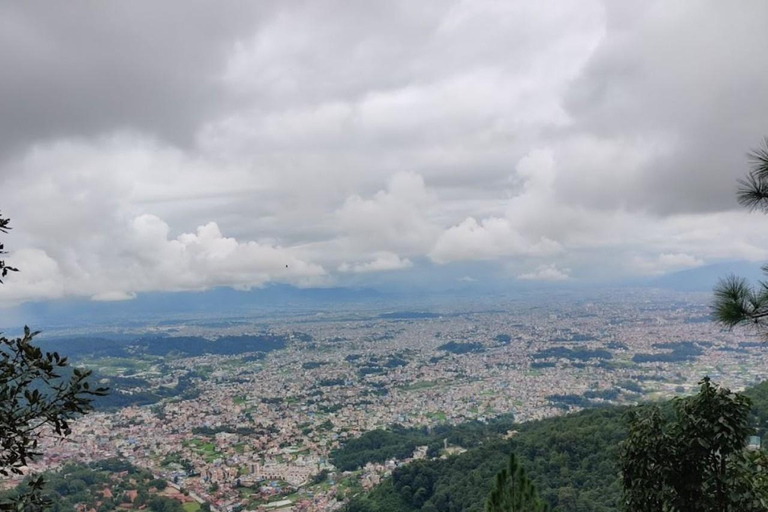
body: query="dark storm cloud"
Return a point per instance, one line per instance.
(87, 67)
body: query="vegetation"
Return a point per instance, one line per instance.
(118, 398)
(37, 393)
(107, 486)
(573, 460)
(160, 346)
(461, 348)
(684, 351)
(737, 302)
(4, 268)
(378, 446)
(514, 491)
(197, 346)
(572, 354)
(400, 442)
(695, 461)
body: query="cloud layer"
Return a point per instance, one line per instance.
(315, 143)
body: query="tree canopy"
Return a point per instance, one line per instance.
(514, 491)
(696, 460)
(39, 393)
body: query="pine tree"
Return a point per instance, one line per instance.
(737, 302)
(514, 491)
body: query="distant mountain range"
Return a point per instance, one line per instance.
(218, 302)
(278, 299)
(706, 277)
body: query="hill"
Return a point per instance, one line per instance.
(572, 459)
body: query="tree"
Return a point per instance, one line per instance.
(38, 393)
(695, 461)
(4, 269)
(737, 302)
(514, 491)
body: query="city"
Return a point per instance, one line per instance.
(261, 430)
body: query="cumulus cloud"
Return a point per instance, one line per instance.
(384, 261)
(488, 239)
(597, 136)
(546, 273)
(148, 259)
(392, 218)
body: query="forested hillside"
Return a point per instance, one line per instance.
(572, 460)
(108, 486)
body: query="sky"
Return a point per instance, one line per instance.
(187, 145)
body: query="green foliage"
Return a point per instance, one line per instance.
(753, 191)
(736, 301)
(162, 504)
(377, 446)
(319, 478)
(4, 269)
(32, 396)
(35, 395)
(461, 348)
(76, 486)
(570, 459)
(694, 461)
(759, 414)
(400, 442)
(514, 491)
(579, 354)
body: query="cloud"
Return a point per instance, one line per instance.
(39, 278)
(546, 273)
(384, 261)
(147, 259)
(663, 83)
(603, 137)
(140, 76)
(664, 263)
(488, 239)
(113, 296)
(395, 218)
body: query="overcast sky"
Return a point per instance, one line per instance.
(182, 145)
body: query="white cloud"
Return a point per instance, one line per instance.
(546, 273)
(664, 263)
(145, 258)
(113, 296)
(395, 218)
(39, 278)
(384, 261)
(488, 239)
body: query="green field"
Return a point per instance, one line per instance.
(191, 506)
